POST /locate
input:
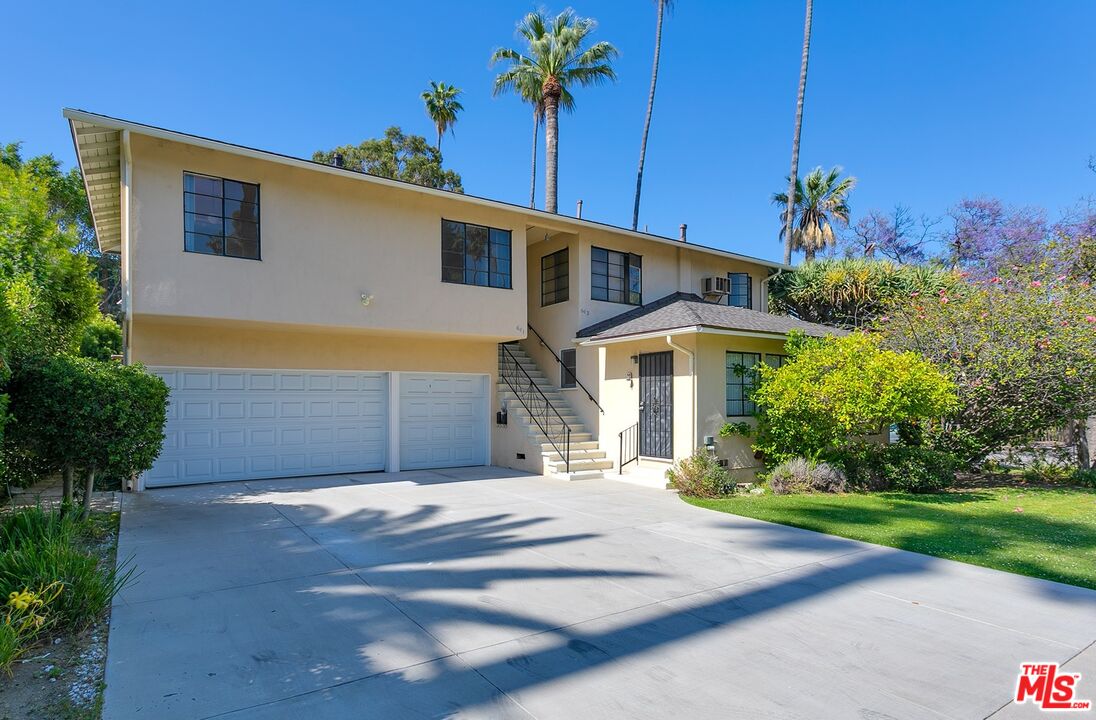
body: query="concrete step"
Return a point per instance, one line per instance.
(554, 456)
(575, 445)
(580, 465)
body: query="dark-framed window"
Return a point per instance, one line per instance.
(616, 277)
(775, 361)
(741, 294)
(567, 370)
(220, 216)
(555, 278)
(475, 255)
(741, 381)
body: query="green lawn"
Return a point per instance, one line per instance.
(1047, 533)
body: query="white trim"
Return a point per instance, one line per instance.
(125, 258)
(698, 329)
(534, 215)
(392, 456)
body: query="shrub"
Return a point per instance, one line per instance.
(1044, 470)
(699, 475)
(102, 338)
(1085, 477)
(839, 388)
(27, 614)
(99, 417)
(908, 468)
(800, 475)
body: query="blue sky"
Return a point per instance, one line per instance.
(925, 102)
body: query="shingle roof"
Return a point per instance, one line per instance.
(682, 309)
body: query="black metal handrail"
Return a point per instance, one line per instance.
(629, 446)
(540, 409)
(560, 363)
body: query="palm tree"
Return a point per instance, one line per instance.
(555, 59)
(821, 198)
(663, 6)
(793, 177)
(442, 106)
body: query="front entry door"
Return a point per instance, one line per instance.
(656, 404)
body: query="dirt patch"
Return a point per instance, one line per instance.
(62, 679)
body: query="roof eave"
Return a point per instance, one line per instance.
(683, 330)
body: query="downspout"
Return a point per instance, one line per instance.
(692, 376)
(127, 258)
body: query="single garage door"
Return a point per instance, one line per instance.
(249, 424)
(443, 420)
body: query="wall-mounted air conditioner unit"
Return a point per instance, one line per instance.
(716, 285)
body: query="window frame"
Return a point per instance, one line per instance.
(490, 260)
(782, 360)
(630, 262)
(566, 276)
(565, 369)
(224, 236)
(742, 380)
(749, 290)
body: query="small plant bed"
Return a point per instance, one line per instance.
(57, 578)
(1045, 532)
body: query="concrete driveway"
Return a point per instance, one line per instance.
(489, 594)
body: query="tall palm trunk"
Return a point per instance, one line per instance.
(439, 140)
(789, 216)
(533, 175)
(552, 91)
(650, 109)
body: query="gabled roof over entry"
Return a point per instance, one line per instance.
(688, 312)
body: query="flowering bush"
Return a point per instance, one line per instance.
(26, 616)
(1020, 347)
(800, 475)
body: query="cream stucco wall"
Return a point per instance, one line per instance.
(326, 241)
(667, 268)
(712, 392)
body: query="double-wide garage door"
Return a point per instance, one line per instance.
(226, 424)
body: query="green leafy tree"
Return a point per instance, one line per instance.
(396, 156)
(82, 415)
(853, 292)
(46, 287)
(838, 389)
(1021, 348)
(443, 107)
(821, 200)
(557, 57)
(68, 208)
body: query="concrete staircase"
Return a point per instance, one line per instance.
(587, 460)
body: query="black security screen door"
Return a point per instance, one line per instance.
(656, 404)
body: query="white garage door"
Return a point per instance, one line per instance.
(443, 420)
(249, 424)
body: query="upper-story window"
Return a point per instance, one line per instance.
(741, 294)
(616, 277)
(475, 255)
(555, 281)
(220, 216)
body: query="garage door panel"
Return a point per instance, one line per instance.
(443, 420)
(242, 424)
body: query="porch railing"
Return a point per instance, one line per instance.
(629, 446)
(559, 362)
(533, 399)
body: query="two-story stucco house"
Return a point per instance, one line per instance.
(311, 319)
